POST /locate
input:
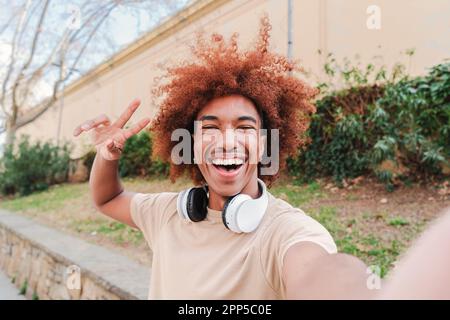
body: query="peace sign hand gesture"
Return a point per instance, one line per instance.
(108, 139)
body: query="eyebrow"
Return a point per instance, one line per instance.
(241, 118)
(250, 118)
(208, 117)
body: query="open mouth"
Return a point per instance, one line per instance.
(228, 167)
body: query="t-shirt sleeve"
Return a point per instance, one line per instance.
(288, 229)
(150, 211)
(298, 227)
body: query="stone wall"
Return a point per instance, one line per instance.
(47, 264)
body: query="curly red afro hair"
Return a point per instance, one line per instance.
(219, 69)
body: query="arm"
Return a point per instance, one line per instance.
(107, 192)
(424, 271)
(309, 272)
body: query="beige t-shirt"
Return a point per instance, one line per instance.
(205, 260)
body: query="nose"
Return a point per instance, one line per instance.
(227, 142)
(230, 140)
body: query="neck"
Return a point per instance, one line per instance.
(216, 201)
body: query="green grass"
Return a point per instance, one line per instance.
(116, 231)
(53, 198)
(297, 195)
(398, 222)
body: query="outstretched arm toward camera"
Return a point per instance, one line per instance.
(109, 139)
(424, 271)
(309, 273)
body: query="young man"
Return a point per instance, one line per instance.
(229, 238)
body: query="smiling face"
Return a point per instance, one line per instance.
(227, 139)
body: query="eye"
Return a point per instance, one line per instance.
(209, 127)
(246, 128)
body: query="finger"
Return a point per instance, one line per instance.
(137, 128)
(109, 144)
(118, 147)
(127, 114)
(101, 119)
(114, 146)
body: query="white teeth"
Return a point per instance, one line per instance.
(227, 162)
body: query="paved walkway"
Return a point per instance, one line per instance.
(7, 290)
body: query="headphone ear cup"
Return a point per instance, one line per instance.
(224, 211)
(197, 201)
(241, 213)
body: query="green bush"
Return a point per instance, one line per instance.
(136, 158)
(159, 168)
(413, 119)
(395, 130)
(33, 166)
(339, 141)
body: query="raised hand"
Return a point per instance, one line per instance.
(109, 139)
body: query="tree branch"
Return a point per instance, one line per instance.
(66, 39)
(37, 111)
(30, 57)
(12, 60)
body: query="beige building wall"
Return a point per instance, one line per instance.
(337, 26)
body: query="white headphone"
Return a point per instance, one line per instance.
(241, 213)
